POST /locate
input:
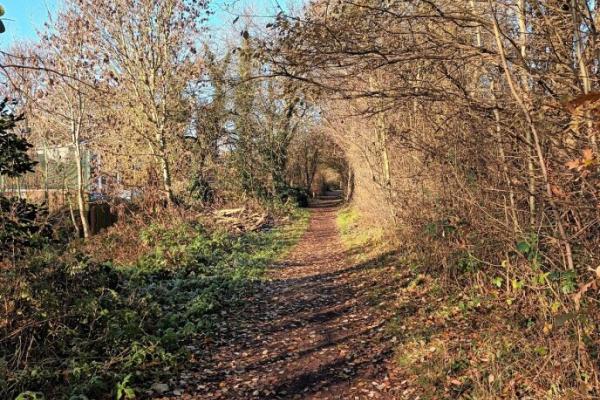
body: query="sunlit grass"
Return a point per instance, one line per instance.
(288, 235)
(363, 240)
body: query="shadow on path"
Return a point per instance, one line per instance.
(315, 330)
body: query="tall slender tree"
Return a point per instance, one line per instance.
(149, 50)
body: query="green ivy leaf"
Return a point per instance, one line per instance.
(497, 281)
(523, 247)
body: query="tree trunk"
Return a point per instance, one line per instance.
(521, 12)
(385, 160)
(537, 145)
(165, 166)
(67, 196)
(81, 203)
(501, 153)
(46, 170)
(583, 71)
(350, 185)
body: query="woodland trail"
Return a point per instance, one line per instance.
(313, 331)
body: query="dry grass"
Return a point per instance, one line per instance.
(473, 341)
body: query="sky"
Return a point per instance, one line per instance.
(24, 18)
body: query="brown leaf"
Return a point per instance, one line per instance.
(574, 164)
(577, 296)
(558, 192)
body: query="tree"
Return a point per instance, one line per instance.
(148, 51)
(67, 100)
(207, 129)
(245, 124)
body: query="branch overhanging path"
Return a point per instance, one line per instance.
(310, 332)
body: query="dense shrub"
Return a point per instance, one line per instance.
(20, 222)
(23, 226)
(299, 196)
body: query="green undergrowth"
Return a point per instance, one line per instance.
(80, 329)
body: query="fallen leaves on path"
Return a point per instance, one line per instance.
(310, 332)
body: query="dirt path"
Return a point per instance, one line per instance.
(314, 331)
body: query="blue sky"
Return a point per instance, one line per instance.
(24, 17)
